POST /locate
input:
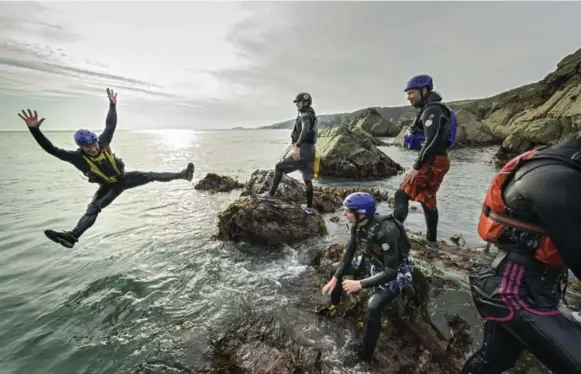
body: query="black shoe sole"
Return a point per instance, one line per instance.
(190, 172)
(55, 237)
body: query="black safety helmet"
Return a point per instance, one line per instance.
(303, 96)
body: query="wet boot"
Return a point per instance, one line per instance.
(188, 172)
(431, 216)
(65, 238)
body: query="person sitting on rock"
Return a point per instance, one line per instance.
(304, 137)
(384, 259)
(95, 159)
(532, 214)
(436, 123)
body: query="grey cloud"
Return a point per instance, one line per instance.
(356, 54)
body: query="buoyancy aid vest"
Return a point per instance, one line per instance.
(495, 222)
(372, 249)
(97, 170)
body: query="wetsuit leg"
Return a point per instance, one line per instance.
(372, 328)
(500, 351)
(431, 216)
(286, 166)
(134, 179)
(401, 205)
(309, 192)
(102, 198)
(352, 270)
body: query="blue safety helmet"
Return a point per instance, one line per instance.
(360, 202)
(420, 81)
(85, 137)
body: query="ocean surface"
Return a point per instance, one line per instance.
(149, 266)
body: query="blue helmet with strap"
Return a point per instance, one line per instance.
(419, 82)
(361, 202)
(85, 137)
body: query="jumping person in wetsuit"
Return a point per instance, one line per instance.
(532, 214)
(95, 159)
(384, 263)
(423, 180)
(304, 137)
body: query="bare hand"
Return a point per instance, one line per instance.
(31, 119)
(112, 96)
(329, 286)
(297, 153)
(351, 286)
(410, 176)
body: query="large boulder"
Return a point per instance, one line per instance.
(214, 183)
(542, 113)
(273, 223)
(269, 342)
(325, 200)
(375, 124)
(348, 151)
(263, 222)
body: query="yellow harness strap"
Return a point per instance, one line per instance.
(104, 155)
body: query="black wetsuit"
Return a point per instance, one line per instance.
(517, 295)
(303, 136)
(107, 192)
(385, 249)
(432, 120)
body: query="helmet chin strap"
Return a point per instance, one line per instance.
(360, 220)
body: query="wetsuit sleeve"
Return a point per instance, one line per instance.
(62, 154)
(555, 194)
(307, 123)
(388, 235)
(110, 124)
(432, 120)
(348, 254)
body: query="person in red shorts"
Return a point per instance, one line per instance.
(433, 132)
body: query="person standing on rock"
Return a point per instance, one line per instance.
(532, 214)
(304, 137)
(95, 160)
(384, 260)
(435, 122)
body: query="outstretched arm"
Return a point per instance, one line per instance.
(111, 122)
(348, 254)
(31, 120)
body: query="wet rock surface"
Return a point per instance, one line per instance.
(272, 223)
(214, 183)
(257, 342)
(260, 221)
(348, 151)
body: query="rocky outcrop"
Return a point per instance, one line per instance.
(348, 151)
(214, 183)
(261, 342)
(263, 222)
(273, 223)
(325, 200)
(542, 113)
(375, 124)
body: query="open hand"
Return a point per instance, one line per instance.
(31, 119)
(112, 96)
(410, 176)
(329, 286)
(351, 286)
(297, 153)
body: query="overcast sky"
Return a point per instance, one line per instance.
(208, 65)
